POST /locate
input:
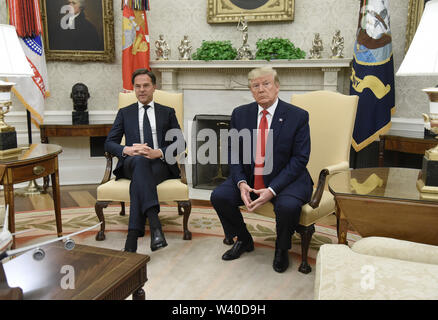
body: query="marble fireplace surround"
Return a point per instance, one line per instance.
(217, 87)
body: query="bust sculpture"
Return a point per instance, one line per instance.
(80, 96)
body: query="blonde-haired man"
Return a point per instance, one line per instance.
(277, 171)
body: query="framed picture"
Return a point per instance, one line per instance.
(415, 11)
(222, 11)
(78, 30)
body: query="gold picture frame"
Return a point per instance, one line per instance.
(415, 11)
(75, 41)
(226, 11)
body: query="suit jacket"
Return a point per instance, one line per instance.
(126, 123)
(289, 139)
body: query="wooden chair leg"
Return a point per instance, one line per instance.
(185, 208)
(306, 235)
(99, 206)
(122, 207)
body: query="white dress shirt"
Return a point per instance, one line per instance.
(151, 116)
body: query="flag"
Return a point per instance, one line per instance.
(135, 39)
(372, 77)
(32, 92)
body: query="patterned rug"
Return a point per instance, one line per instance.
(194, 270)
(203, 221)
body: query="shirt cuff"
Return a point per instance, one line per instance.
(162, 154)
(238, 183)
(273, 192)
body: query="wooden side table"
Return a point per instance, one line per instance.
(417, 145)
(36, 161)
(69, 130)
(93, 274)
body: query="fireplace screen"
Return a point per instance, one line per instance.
(209, 171)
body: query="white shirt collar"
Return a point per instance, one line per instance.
(270, 109)
(140, 105)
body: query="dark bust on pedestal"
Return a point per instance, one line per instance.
(80, 96)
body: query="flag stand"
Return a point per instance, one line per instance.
(32, 188)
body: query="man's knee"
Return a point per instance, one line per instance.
(288, 207)
(142, 160)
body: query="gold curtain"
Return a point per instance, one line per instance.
(415, 10)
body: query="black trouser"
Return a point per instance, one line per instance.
(145, 175)
(226, 201)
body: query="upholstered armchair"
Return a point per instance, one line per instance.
(172, 190)
(331, 120)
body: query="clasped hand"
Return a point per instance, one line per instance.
(138, 149)
(264, 196)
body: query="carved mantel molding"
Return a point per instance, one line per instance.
(295, 75)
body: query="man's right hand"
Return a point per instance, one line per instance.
(245, 191)
(137, 149)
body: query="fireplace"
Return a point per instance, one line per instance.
(208, 171)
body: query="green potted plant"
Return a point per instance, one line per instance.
(215, 50)
(277, 48)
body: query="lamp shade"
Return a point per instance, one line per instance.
(13, 61)
(422, 56)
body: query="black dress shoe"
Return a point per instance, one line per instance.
(281, 260)
(129, 250)
(238, 248)
(157, 239)
(228, 241)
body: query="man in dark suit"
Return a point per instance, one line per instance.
(276, 173)
(147, 158)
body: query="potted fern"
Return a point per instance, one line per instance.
(277, 48)
(215, 50)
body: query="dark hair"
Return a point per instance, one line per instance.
(144, 71)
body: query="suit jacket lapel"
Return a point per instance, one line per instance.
(133, 116)
(275, 128)
(253, 117)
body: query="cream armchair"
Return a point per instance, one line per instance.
(172, 190)
(331, 120)
(377, 268)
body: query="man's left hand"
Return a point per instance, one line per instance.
(152, 153)
(265, 195)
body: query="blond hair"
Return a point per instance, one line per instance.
(261, 72)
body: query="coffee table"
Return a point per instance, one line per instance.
(95, 273)
(384, 202)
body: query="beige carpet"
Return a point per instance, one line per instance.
(193, 270)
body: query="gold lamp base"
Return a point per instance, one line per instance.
(32, 189)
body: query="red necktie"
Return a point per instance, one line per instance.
(260, 153)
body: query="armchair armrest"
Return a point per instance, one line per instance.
(108, 168)
(316, 197)
(180, 159)
(397, 249)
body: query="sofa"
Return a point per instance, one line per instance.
(377, 268)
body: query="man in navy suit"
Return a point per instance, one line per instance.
(147, 158)
(275, 170)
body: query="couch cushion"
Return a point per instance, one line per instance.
(168, 190)
(344, 274)
(397, 249)
(308, 214)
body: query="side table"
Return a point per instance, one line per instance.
(415, 145)
(36, 161)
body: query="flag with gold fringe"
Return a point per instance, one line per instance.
(135, 39)
(372, 77)
(32, 92)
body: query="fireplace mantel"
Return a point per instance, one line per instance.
(295, 75)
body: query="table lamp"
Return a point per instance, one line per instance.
(422, 60)
(13, 63)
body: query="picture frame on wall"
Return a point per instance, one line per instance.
(223, 11)
(78, 30)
